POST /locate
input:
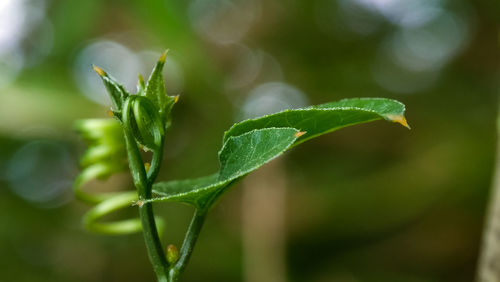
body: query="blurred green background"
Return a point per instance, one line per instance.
(375, 202)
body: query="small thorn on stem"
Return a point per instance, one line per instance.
(147, 166)
(110, 113)
(176, 99)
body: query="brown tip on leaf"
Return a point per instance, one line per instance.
(110, 113)
(176, 99)
(99, 71)
(163, 57)
(300, 133)
(399, 119)
(147, 166)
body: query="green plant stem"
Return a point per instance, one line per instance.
(188, 245)
(153, 244)
(488, 269)
(155, 165)
(143, 185)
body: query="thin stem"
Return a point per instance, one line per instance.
(488, 269)
(153, 244)
(155, 164)
(188, 244)
(143, 185)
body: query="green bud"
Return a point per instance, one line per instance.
(172, 254)
(142, 117)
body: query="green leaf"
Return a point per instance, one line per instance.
(239, 156)
(252, 143)
(324, 118)
(156, 92)
(115, 90)
(242, 154)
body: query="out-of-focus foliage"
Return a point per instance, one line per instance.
(407, 206)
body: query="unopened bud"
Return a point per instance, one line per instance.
(172, 254)
(142, 117)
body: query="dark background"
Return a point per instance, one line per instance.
(375, 202)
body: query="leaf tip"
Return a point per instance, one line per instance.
(99, 71)
(163, 57)
(110, 113)
(399, 119)
(300, 133)
(141, 79)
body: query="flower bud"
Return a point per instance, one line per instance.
(142, 117)
(172, 254)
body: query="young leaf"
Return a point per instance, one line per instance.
(252, 143)
(155, 90)
(115, 90)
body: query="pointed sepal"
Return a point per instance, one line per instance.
(156, 92)
(116, 91)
